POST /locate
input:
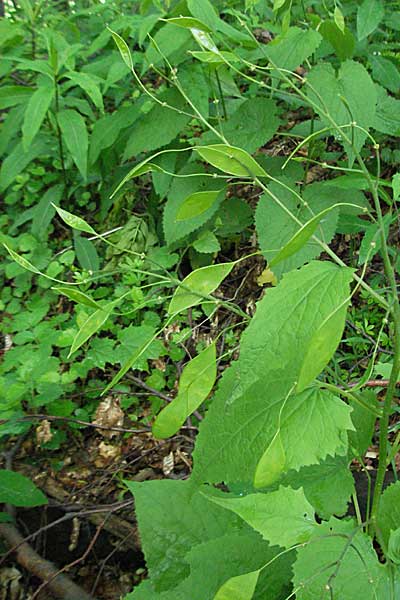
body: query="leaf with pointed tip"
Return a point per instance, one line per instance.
(195, 384)
(78, 296)
(241, 587)
(198, 285)
(196, 204)
(232, 160)
(123, 49)
(91, 326)
(188, 23)
(284, 517)
(369, 14)
(35, 113)
(74, 221)
(272, 463)
(389, 511)
(75, 136)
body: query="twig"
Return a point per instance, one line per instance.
(72, 564)
(59, 585)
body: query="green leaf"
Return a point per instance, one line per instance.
(279, 233)
(339, 19)
(343, 42)
(251, 126)
(18, 159)
(229, 159)
(284, 517)
(78, 296)
(396, 186)
(369, 15)
(88, 84)
(183, 187)
(241, 587)
(290, 49)
(235, 434)
(144, 137)
(188, 23)
(207, 243)
(295, 446)
(346, 562)
(10, 95)
(195, 384)
(387, 118)
(385, 72)
(18, 490)
(394, 546)
(73, 221)
(318, 481)
(123, 49)
(167, 536)
(389, 511)
(75, 136)
(91, 326)
(302, 236)
(198, 285)
(5, 518)
(23, 262)
(36, 111)
(86, 253)
(45, 211)
(343, 96)
(196, 204)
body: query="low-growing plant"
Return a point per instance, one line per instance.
(264, 512)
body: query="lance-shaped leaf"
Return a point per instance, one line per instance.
(36, 110)
(74, 221)
(229, 159)
(241, 587)
(75, 136)
(284, 517)
(195, 384)
(198, 285)
(78, 296)
(91, 326)
(369, 15)
(188, 23)
(123, 49)
(196, 204)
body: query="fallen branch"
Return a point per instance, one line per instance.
(59, 584)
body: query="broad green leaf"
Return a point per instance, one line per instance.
(144, 137)
(284, 517)
(205, 11)
(74, 221)
(207, 243)
(170, 42)
(396, 186)
(18, 490)
(88, 85)
(91, 326)
(343, 42)
(235, 434)
(188, 23)
(107, 129)
(75, 136)
(18, 159)
(294, 446)
(385, 72)
(251, 126)
(272, 463)
(343, 95)
(78, 296)
(198, 285)
(387, 118)
(278, 4)
(213, 58)
(168, 535)
(195, 384)
(340, 560)
(196, 204)
(45, 211)
(318, 481)
(389, 511)
(241, 587)
(369, 15)
(279, 232)
(37, 107)
(394, 546)
(229, 159)
(291, 48)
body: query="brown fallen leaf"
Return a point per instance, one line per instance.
(109, 414)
